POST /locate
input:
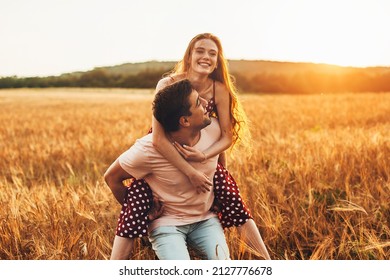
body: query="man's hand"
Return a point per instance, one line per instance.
(200, 181)
(156, 210)
(190, 153)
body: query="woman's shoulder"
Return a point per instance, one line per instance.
(168, 80)
(220, 86)
(177, 77)
(162, 83)
(220, 89)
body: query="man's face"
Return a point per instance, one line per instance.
(199, 118)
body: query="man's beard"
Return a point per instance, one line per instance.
(206, 122)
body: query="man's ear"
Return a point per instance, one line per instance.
(183, 121)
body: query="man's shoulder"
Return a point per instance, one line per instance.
(139, 153)
(142, 145)
(145, 143)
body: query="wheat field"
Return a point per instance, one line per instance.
(317, 183)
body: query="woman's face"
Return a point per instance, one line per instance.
(204, 57)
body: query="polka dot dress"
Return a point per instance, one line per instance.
(233, 211)
(133, 219)
(211, 109)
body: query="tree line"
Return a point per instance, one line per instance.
(315, 82)
(300, 82)
(94, 78)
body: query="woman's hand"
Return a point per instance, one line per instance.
(200, 181)
(190, 153)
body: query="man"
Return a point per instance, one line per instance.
(186, 217)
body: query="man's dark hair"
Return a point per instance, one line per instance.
(171, 103)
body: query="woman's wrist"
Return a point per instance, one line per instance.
(190, 171)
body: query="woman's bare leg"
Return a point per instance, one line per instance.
(251, 236)
(122, 248)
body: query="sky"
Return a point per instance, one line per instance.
(52, 37)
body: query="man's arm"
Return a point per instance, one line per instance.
(114, 177)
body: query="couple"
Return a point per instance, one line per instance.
(186, 190)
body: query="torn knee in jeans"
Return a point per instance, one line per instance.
(221, 253)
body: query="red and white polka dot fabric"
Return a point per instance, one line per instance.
(133, 219)
(233, 211)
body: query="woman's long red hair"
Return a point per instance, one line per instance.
(240, 129)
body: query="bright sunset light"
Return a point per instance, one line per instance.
(46, 37)
(335, 32)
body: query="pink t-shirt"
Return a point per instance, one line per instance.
(182, 204)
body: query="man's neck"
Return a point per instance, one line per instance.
(185, 137)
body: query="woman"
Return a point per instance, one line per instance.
(205, 66)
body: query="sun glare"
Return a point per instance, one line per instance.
(348, 38)
(345, 33)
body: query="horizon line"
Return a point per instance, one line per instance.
(175, 61)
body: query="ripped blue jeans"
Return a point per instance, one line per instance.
(206, 237)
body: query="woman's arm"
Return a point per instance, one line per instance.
(165, 147)
(222, 101)
(223, 160)
(225, 141)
